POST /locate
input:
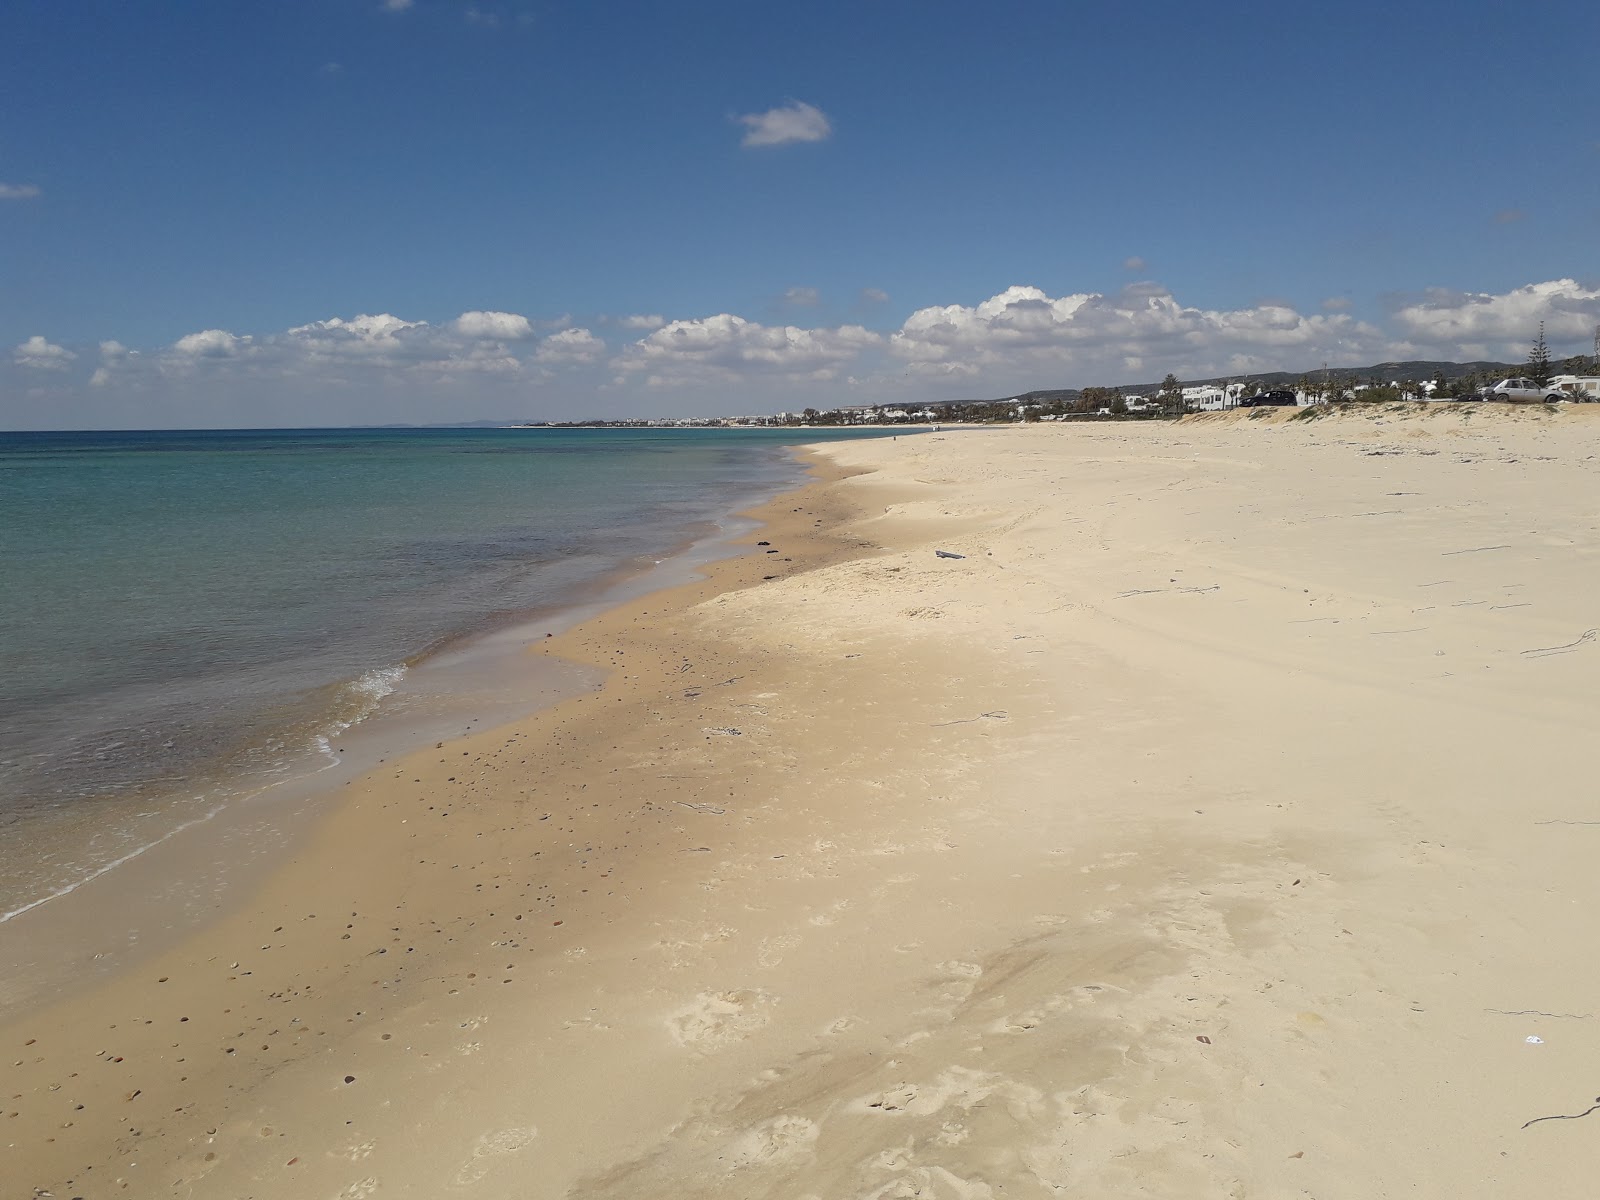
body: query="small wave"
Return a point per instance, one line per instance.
(360, 697)
(379, 682)
(110, 866)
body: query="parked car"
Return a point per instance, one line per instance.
(1524, 391)
(1280, 397)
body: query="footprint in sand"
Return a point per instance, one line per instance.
(831, 914)
(714, 1019)
(779, 1140)
(931, 1183)
(773, 949)
(359, 1190)
(357, 1151)
(1018, 1024)
(896, 1099)
(490, 1150)
(960, 978)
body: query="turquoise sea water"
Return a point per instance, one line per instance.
(179, 607)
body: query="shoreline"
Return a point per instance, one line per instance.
(466, 681)
(734, 564)
(99, 746)
(1200, 832)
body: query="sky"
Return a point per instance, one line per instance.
(330, 212)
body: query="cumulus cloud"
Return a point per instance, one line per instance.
(365, 328)
(1134, 263)
(380, 339)
(18, 191)
(795, 121)
(1504, 323)
(114, 358)
(1020, 337)
(42, 355)
(473, 342)
(500, 326)
(803, 297)
(726, 348)
(1025, 326)
(210, 343)
(873, 295)
(570, 346)
(334, 349)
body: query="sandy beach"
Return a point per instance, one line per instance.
(1217, 824)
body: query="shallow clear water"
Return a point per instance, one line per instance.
(179, 607)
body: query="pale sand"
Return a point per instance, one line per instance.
(1220, 826)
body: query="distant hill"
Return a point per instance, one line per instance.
(447, 425)
(1384, 372)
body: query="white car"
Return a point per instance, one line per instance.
(1523, 391)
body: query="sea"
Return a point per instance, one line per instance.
(187, 618)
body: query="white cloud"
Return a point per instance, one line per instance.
(795, 121)
(1135, 264)
(381, 339)
(1024, 327)
(1336, 304)
(115, 358)
(18, 191)
(874, 295)
(484, 358)
(1021, 337)
(1502, 324)
(397, 5)
(802, 297)
(42, 355)
(570, 346)
(499, 326)
(210, 343)
(339, 349)
(727, 348)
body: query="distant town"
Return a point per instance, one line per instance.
(1576, 379)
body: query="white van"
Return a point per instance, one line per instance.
(1583, 388)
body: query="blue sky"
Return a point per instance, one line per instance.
(374, 210)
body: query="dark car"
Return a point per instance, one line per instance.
(1280, 397)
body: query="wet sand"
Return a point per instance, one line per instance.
(1216, 826)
